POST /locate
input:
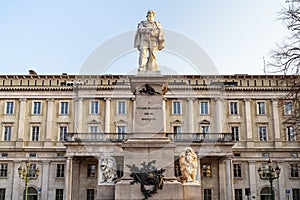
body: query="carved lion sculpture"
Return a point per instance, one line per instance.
(188, 165)
(108, 169)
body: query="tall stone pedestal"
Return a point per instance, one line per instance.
(105, 192)
(192, 191)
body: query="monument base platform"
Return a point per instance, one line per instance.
(105, 192)
(192, 191)
(171, 190)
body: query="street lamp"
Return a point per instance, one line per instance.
(27, 173)
(273, 174)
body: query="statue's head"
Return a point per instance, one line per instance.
(150, 15)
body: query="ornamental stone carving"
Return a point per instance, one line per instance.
(188, 165)
(107, 170)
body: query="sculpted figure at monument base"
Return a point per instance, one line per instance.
(149, 39)
(188, 165)
(107, 170)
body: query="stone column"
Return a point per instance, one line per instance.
(49, 124)
(282, 180)
(276, 125)
(252, 178)
(164, 115)
(229, 182)
(17, 183)
(68, 179)
(100, 176)
(222, 185)
(199, 170)
(133, 113)
(79, 115)
(219, 111)
(107, 115)
(249, 135)
(191, 115)
(22, 119)
(45, 179)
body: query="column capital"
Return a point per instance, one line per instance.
(247, 100)
(107, 99)
(23, 100)
(50, 100)
(190, 99)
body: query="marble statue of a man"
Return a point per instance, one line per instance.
(148, 39)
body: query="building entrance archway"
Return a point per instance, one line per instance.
(265, 194)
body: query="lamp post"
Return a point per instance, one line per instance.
(273, 174)
(26, 173)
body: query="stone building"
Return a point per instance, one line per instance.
(65, 123)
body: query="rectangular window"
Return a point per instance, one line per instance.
(32, 171)
(204, 108)
(63, 133)
(64, 108)
(295, 170)
(94, 107)
(36, 108)
(261, 108)
(296, 194)
(94, 129)
(262, 131)
(121, 132)
(2, 193)
(35, 133)
(90, 194)
(238, 194)
(176, 109)
(7, 133)
(60, 170)
(3, 170)
(204, 129)
(233, 108)
(207, 194)
(237, 170)
(288, 107)
(177, 132)
(91, 170)
(59, 194)
(9, 108)
(121, 109)
(235, 130)
(206, 170)
(290, 133)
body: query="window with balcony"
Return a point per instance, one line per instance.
(32, 171)
(177, 131)
(121, 129)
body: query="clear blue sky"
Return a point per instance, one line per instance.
(55, 36)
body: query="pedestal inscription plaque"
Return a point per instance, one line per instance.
(148, 114)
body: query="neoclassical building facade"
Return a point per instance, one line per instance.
(64, 123)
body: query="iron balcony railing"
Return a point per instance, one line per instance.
(176, 137)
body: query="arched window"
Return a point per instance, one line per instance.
(265, 194)
(32, 194)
